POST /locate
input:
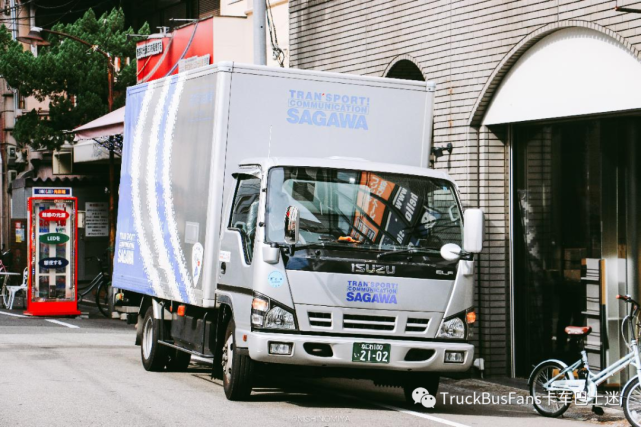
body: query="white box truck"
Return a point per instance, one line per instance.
(280, 220)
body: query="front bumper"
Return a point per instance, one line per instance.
(258, 346)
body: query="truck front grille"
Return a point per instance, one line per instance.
(416, 325)
(322, 320)
(379, 323)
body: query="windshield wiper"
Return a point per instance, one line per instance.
(424, 251)
(294, 248)
(324, 244)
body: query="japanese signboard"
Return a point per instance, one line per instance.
(149, 49)
(53, 262)
(20, 234)
(54, 215)
(96, 219)
(193, 62)
(51, 192)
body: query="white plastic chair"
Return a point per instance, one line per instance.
(15, 289)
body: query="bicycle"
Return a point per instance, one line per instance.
(102, 284)
(554, 382)
(9, 292)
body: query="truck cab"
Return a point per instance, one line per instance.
(349, 267)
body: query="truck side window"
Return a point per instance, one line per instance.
(244, 215)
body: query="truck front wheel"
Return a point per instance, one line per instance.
(238, 369)
(154, 355)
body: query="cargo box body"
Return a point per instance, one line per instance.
(186, 134)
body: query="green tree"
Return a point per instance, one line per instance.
(70, 74)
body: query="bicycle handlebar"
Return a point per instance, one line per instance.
(627, 298)
(632, 317)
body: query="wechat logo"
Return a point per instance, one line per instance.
(422, 396)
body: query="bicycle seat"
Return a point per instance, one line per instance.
(578, 330)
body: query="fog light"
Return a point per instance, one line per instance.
(280, 348)
(454, 356)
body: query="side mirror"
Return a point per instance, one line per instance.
(271, 254)
(292, 225)
(473, 232)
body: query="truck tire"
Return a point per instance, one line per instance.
(178, 360)
(238, 369)
(428, 381)
(154, 355)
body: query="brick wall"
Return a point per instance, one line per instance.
(465, 47)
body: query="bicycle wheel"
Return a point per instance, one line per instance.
(632, 402)
(82, 292)
(549, 404)
(102, 299)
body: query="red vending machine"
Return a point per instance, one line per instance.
(53, 231)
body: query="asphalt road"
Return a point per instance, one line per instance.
(87, 372)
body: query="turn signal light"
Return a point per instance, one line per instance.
(181, 310)
(260, 304)
(470, 317)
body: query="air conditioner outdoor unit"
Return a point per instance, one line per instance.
(63, 163)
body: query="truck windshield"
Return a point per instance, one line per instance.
(368, 210)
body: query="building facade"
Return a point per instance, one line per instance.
(19, 17)
(24, 168)
(541, 101)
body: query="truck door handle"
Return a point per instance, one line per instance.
(223, 268)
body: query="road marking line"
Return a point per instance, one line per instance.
(418, 414)
(58, 322)
(11, 314)
(404, 411)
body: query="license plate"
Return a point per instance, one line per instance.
(371, 353)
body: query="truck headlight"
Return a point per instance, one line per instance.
(279, 318)
(453, 328)
(268, 314)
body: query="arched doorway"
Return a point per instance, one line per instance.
(406, 70)
(571, 104)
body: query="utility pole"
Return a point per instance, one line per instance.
(260, 37)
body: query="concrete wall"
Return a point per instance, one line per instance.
(466, 47)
